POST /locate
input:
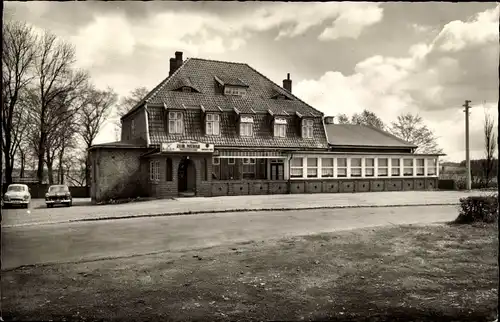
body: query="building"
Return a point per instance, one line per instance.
(215, 128)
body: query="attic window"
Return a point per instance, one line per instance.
(212, 124)
(186, 89)
(246, 126)
(234, 91)
(307, 128)
(175, 123)
(279, 127)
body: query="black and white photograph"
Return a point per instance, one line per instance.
(249, 161)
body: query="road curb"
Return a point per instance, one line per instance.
(201, 212)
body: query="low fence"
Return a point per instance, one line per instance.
(39, 190)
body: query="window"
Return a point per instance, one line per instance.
(215, 161)
(212, 124)
(369, 167)
(420, 167)
(154, 170)
(342, 167)
(280, 128)
(307, 129)
(431, 167)
(355, 167)
(204, 169)
(408, 167)
(236, 91)
(395, 167)
(168, 175)
(327, 167)
(248, 168)
(246, 126)
(132, 126)
(216, 169)
(186, 89)
(296, 169)
(175, 124)
(312, 167)
(231, 161)
(383, 167)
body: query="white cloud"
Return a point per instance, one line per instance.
(429, 81)
(352, 22)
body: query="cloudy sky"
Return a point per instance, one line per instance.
(343, 57)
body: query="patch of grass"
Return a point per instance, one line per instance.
(397, 273)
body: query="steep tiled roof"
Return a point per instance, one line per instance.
(205, 76)
(360, 135)
(138, 143)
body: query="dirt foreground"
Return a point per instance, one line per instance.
(397, 273)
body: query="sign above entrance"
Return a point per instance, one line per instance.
(187, 146)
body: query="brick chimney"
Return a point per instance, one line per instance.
(173, 66)
(287, 83)
(329, 120)
(178, 58)
(175, 63)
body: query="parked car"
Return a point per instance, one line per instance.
(18, 195)
(58, 194)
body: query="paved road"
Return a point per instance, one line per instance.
(82, 210)
(79, 241)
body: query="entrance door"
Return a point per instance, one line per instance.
(187, 176)
(277, 171)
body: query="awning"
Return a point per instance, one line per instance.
(249, 154)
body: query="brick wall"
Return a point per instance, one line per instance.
(139, 118)
(118, 173)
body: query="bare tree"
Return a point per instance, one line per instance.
(412, 129)
(55, 78)
(126, 103)
(490, 145)
(18, 56)
(92, 116)
(364, 118)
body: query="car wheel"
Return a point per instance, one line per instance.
(49, 206)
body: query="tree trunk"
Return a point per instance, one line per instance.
(87, 170)
(61, 171)
(23, 159)
(41, 157)
(8, 169)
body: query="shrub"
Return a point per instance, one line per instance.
(478, 209)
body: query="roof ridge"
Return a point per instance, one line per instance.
(155, 90)
(321, 113)
(218, 61)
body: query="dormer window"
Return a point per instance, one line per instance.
(212, 124)
(234, 91)
(279, 127)
(175, 123)
(307, 128)
(186, 89)
(246, 126)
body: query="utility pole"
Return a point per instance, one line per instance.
(467, 150)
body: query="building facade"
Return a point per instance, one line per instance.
(214, 128)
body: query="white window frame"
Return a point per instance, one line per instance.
(154, 170)
(372, 168)
(360, 167)
(297, 168)
(212, 119)
(342, 167)
(216, 161)
(398, 168)
(408, 167)
(381, 167)
(175, 122)
(231, 161)
(432, 164)
(246, 127)
(328, 168)
(307, 128)
(248, 166)
(420, 168)
(280, 127)
(234, 91)
(132, 126)
(313, 168)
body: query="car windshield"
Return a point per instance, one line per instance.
(58, 189)
(16, 188)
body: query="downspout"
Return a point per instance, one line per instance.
(289, 173)
(148, 140)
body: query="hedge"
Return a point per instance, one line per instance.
(478, 209)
